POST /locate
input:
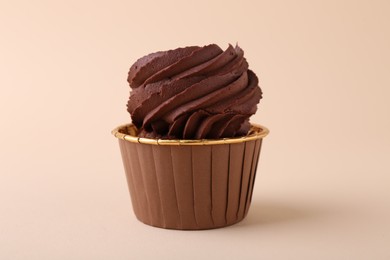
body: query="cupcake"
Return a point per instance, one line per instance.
(190, 154)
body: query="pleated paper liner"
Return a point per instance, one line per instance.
(190, 184)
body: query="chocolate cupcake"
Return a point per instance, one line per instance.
(190, 154)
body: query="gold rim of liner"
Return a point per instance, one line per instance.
(256, 132)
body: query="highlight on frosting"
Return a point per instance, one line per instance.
(193, 93)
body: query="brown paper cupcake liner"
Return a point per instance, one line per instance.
(190, 184)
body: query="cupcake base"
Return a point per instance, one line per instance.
(193, 186)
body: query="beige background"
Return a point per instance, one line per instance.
(323, 186)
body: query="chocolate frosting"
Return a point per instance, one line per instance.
(193, 93)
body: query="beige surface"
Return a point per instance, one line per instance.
(323, 186)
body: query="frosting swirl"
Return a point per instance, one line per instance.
(193, 93)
